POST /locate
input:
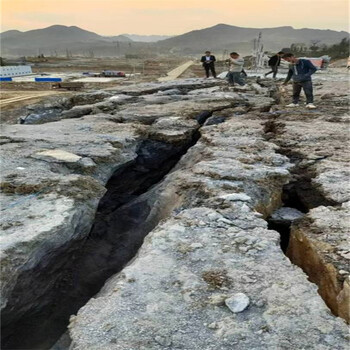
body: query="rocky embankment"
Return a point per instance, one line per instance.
(198, 168)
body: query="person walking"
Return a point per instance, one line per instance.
(208, 63)
(235, 69)
(301, 71)
(274, 63)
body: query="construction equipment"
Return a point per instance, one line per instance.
(68, 85)
(259, 57)
(112, 73)
(319, 62)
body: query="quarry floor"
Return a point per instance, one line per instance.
(136, 216)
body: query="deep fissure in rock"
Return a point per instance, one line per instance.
(283, 230)
(300, 193)
(66, 279)
(290, 199)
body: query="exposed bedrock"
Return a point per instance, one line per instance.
(78, 269)
(212, 276)
(53, 178)
(81, 194)
(109, 100)
(319, 243)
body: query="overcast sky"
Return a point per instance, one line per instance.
(170, 17)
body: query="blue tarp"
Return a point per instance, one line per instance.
(5, 79)
(48, 79)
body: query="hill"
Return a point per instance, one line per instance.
(10, 34)
(56, 37)
(223, 36)
(218, 38)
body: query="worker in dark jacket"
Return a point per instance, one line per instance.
(274, 63)
(300, 70)
(208, 64)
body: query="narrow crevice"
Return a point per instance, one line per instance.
(291, 202)
(300, 194)
(39, 307)
(283, 229)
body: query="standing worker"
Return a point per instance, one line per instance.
(235, 69)
(208, 63)
(274, 63)
(301, 71)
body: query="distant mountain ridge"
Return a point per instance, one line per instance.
(219, 38)
(226, 36)
(56, 32)
(10, 34)
(53, 35)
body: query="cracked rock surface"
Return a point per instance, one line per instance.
(210, 240)
(316, 142)
(53, 175)
(320, 245)
(214, 245)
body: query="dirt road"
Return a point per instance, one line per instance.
(26, 95)
(176, 72)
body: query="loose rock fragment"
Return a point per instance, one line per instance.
(58, 155)
(286, 215)
(238, 302)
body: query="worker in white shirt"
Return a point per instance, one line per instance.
(235, 69)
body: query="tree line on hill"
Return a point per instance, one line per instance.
(316, 49)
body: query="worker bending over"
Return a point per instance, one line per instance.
(235, 69)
